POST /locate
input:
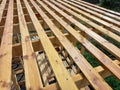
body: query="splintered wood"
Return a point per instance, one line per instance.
(58, 45)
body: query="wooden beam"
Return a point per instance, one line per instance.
(57, 25)
(94, 25)
(88, 15)
(32, 74)
(90, 47)
(62, 76)
(99, 11)
(14, 79)
(2, 6)
(6, 50)
(107, 45)
(86, 68)
(82, 81)
(36, 45)
(16, 27)
(113, 21)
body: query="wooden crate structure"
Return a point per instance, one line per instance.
(45, 45)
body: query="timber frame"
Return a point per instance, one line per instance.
(39, 42)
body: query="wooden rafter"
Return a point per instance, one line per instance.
(38, 41)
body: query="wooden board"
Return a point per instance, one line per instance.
(39, 42)
(32, 76)
(6, 50)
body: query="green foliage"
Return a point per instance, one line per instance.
(91, 59)
(111, 40)
(111, 4)
(113, 82)
(78, 45)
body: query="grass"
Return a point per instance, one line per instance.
(92, 60)
(113, 82)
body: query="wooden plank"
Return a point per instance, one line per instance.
(32, 74)
(85, 67)
(97, 27)
(6, 50)
(14, 79)
(2, 6)
(17, 47)
(115, 22)
(81, 81)
(85, 88)
(62, 76)
(109, 46)
(65, 40)
(105, 60)
(102, 22)
(99, 11)
(16, 26)
(78, 78)
(44, 67)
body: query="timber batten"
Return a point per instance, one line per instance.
(38, 41)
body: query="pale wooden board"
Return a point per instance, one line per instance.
(44, 68)
(14, 79)
(62, 76)
(58, 21)
(101, 10)
(100, 15)
(82, 82)
(32, 75)
(2, 6)
(104, 23)
(106, 44)
(77, 57)
(97, 53)
(96, 26)
(6, 50)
